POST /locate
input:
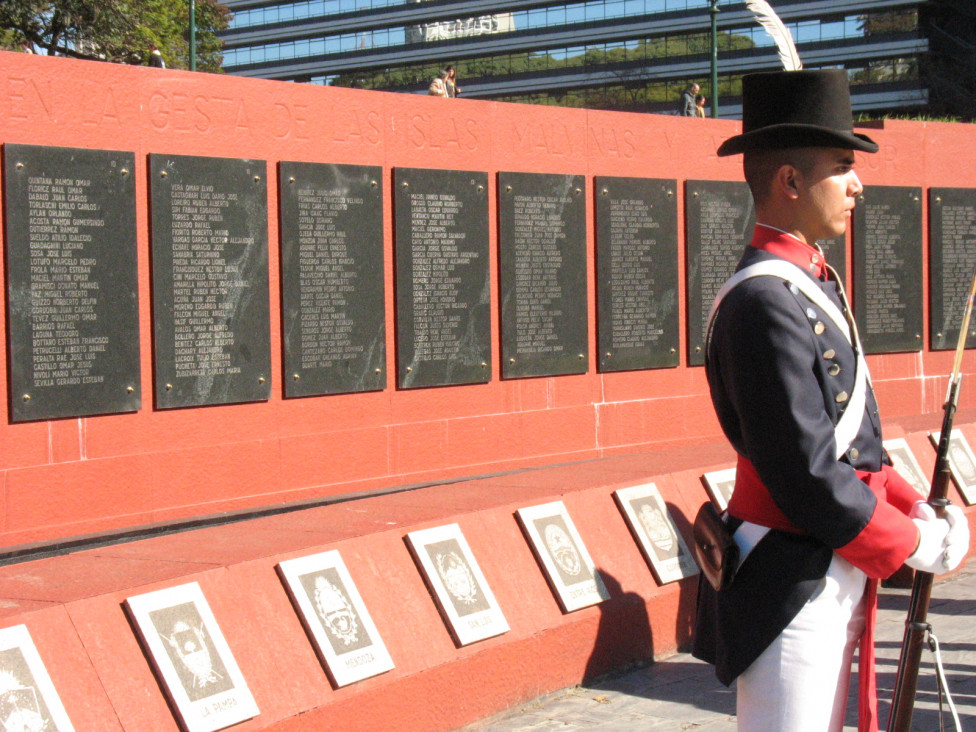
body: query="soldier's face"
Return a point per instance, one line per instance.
(829, 189)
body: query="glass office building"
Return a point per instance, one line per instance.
(632, 55)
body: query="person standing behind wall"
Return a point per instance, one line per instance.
(156, 58)
(686, 104)
(438, 87)
(700, 106)
(451, 81)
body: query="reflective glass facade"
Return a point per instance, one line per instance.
(611, 54)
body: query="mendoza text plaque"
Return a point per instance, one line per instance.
(542, 234)
(334, 327)
(720, 217)
(210, 280)
(73, 307)
(887, 237)
(952, 247)
(637, 273)
(442, 286)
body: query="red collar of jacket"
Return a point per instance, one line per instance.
(776, 241)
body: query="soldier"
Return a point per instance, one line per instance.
(817, 511)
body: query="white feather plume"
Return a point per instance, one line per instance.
(767, 18)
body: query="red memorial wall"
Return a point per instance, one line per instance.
(474, 454)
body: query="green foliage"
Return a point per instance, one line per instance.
(116, 30)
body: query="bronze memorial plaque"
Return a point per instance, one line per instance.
(72, 282)
(211, 317)
(636, 273)
(887, 266)
(542, 240)
(332, 293)
(443, 293)
(952, 256)
(719, 219)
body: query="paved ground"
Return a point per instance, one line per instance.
(681, 693)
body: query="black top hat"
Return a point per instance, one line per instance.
(796, 109)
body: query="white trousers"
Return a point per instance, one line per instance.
(800, 683)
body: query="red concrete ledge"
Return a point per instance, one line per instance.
(72, 604)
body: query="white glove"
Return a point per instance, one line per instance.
(957, 540)
(942, 543)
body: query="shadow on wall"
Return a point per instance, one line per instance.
(685, 619)
(624, 634)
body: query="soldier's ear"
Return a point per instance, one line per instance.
(786, 181)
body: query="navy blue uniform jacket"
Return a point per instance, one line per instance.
(781, 374)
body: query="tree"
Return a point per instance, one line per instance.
(115, 30)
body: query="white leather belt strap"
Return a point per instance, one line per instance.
(747, 536)
(847, 426)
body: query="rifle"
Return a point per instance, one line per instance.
(916, 627)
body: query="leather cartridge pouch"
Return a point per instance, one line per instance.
(716, 552)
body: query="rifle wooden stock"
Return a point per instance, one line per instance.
(916, 626)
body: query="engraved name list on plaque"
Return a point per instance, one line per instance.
(720, 217)
(887, 267)
(332, 291)
(442, 282)
(952, 254)
(73, 307)
(542, 238)
(637, 273)
(211, 316)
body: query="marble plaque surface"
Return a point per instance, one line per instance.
(332, 287)
(191, 658)
(335, 617)
(457, 583)
(657, 535)
(952, 259)
(637, 273)
(211, 313)
(887, 249)
(906, 464)
(962, 463)
(443, 293)
(720, 484)
(542, 242)
(72, 282)
(719, 219)
(29, 701)
(563, 556)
